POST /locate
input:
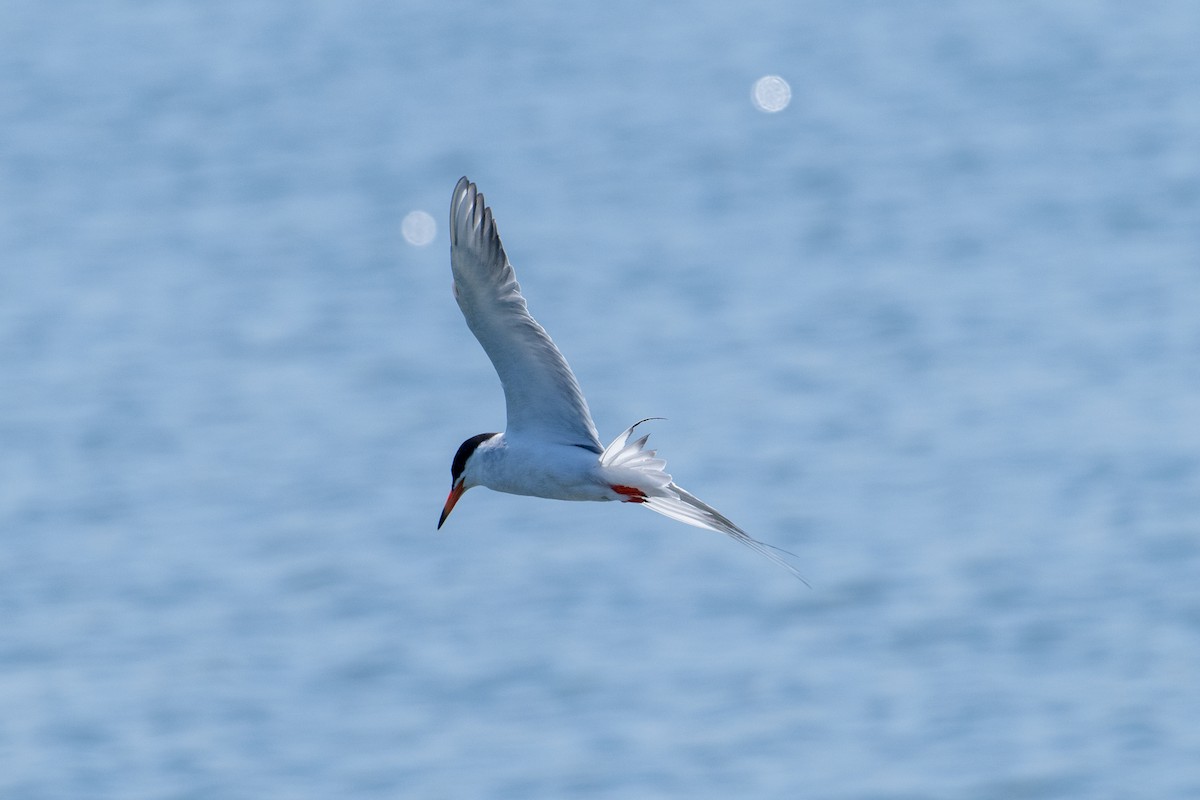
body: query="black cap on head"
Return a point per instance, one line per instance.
(464, 452)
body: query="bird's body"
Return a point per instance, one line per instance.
(519, 465)
(550, 448)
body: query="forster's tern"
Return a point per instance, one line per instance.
(550, 447)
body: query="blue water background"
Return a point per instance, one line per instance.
(935, 327)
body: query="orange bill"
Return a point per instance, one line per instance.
(456, 492)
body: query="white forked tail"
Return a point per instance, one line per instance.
(646, 472)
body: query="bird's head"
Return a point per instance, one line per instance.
(461, 472)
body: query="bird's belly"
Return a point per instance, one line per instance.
(551, 486)
(566, 474)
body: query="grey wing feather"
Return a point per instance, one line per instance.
(540, 391)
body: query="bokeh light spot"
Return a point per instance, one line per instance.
(771, 94)
(418, 228)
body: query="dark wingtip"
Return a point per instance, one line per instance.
(462, 190)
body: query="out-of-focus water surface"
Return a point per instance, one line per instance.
(934, 327)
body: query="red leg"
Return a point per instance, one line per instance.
(633, 495)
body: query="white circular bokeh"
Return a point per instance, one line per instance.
(418, 228)
(771, 94)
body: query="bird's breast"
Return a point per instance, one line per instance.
(556, 472)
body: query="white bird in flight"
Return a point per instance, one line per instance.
(550, 447)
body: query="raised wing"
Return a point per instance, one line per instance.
(542, 395)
